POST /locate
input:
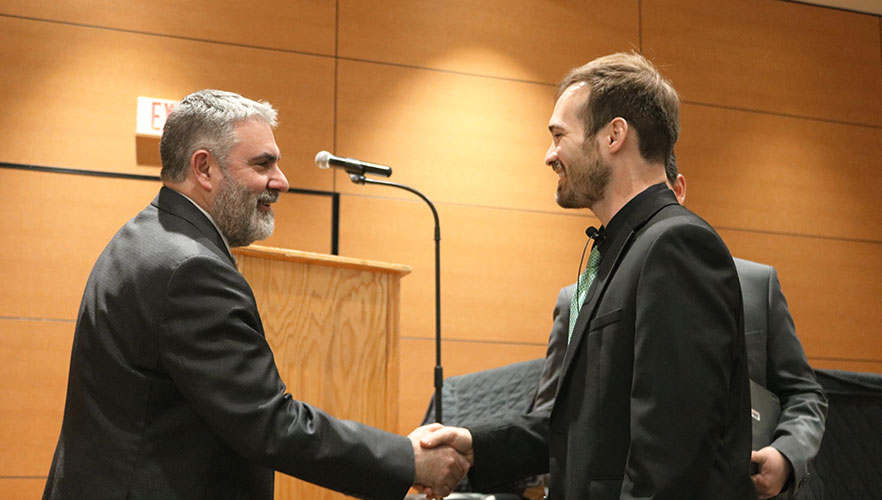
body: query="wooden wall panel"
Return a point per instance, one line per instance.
(304, 25)
(832, 288)
(779, 174)
(60, 224)
(520, 39)
(455, 138)
(457, 358)
(70, 88)
(771, 56)
(303, 222)
(452, 95)
(27, 488)
(33, 384)
(500, 269)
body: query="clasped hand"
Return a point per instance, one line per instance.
(442, 457)
(774, 469)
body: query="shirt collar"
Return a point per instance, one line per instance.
(213, 223)
(619, 220)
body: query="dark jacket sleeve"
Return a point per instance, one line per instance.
(213, 347)
(686, 364)
(557, 348)
(803, 402)
(509, 449)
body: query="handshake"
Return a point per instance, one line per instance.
(442, 457)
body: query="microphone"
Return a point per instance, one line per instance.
(325, 160)
(594, 233)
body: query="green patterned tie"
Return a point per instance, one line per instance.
(584, 283)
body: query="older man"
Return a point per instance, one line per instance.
(173, 392)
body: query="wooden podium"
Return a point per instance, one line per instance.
(332, 323)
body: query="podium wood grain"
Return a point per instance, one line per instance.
(332, 324)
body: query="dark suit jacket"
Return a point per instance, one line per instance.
(777, 361)
(653, 400)
(775, 357)
(173, 392)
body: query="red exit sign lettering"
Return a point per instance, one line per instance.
(152, 113)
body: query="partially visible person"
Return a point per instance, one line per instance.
(653, 398)
(173, 392)
(776, 360)
(554, 354)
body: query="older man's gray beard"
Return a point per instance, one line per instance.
(236, 214)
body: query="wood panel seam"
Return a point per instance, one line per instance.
(477, 341)
(445, 71)
(813, 5)
(799, 235)
(783, 115)
(44, 320)
(640, 25)
(470, 205)
(589, 216)
(166, 35)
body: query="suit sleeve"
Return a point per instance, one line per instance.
(688, 344)
(557, 348)
(803, 402)
(213, 346)
(509, 449)
(517, 446)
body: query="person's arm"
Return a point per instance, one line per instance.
(214, 350)
(688, 345)
(789, 376)
(500, 450)
(557, 348)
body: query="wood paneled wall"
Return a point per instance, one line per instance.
(781, 144)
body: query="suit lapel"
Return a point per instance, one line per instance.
(595, 291)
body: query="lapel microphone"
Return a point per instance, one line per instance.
(593, 234)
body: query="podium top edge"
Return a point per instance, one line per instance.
(320, 258)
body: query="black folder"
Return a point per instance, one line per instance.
(764, 412)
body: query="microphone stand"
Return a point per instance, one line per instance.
(359, 178)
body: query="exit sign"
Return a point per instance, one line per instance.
(152, 114)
